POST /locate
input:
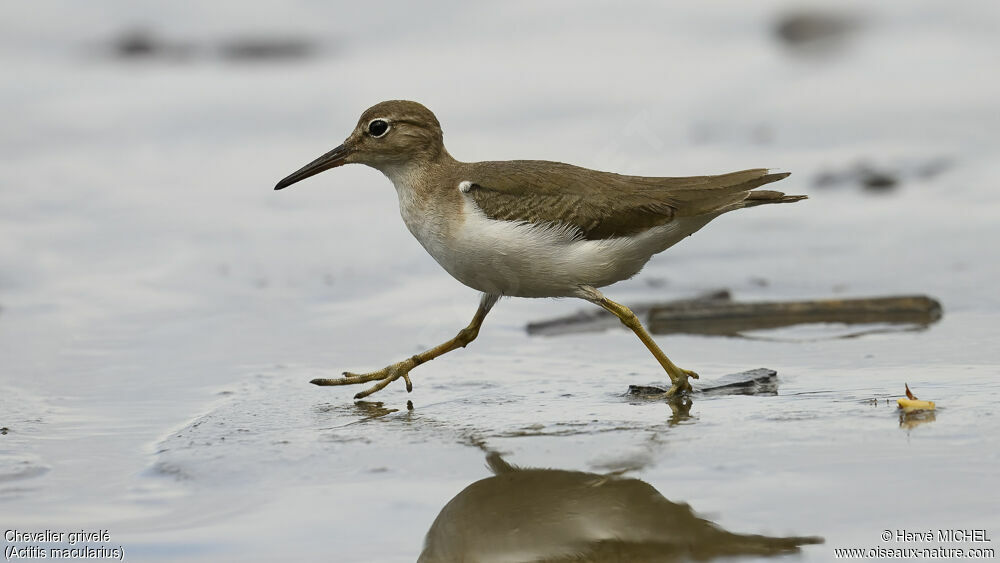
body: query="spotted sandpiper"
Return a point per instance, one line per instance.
(530, 228)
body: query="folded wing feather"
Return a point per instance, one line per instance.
(604, 205)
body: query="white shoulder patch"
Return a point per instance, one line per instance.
(465, 186)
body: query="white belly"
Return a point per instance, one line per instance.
(523, 260)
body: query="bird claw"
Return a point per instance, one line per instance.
(383, 377)
(680, 385)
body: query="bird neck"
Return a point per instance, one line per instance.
(405, 175)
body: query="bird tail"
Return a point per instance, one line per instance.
(764, 197)
(715, 195)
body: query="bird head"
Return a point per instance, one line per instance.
(388, 135)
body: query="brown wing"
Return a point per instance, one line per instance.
(605, 205)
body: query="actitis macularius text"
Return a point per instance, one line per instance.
(530, 228)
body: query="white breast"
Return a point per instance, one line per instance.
(529, 260)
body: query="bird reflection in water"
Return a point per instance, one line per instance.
(522, 514)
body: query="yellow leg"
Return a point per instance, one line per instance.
(678, 376)
(391, 373)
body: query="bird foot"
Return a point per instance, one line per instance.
(384, 377)
(679, 384)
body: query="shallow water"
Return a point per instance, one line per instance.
(162, 310)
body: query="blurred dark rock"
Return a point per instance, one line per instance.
(876, 180)
(136, 43)
(807, 28)
(139, 43)
(143, 44)
(267, 49)
(880, 178)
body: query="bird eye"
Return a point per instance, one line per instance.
(378, 127)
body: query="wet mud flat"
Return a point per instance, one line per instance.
(780, 458)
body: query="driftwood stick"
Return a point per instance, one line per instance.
(727, 317)
(716, 313)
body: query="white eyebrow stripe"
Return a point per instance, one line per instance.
(464, 186)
